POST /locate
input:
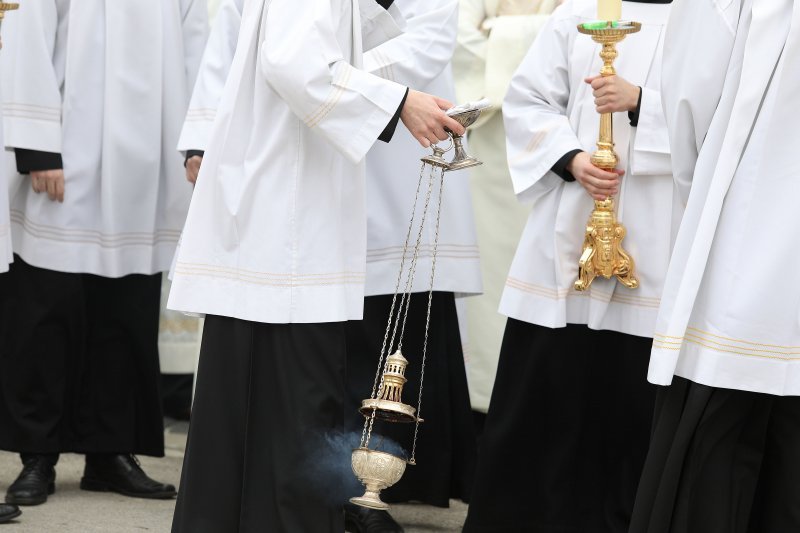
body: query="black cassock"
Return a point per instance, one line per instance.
(566, 434)
(722, 461)
(266, 395)
(79, 367)
(269, 399)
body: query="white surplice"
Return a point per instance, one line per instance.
(276, 230)
(106, 83)
(493, 38)
(550, 111)
(419, 58)
(730, 316)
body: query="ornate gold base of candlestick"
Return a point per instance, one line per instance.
(602, 249)
(602, 253)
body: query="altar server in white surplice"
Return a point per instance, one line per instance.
(274, 253)
(419, 58)
(724, 454)
(94, 92)
(571, 402)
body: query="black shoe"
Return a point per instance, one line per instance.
(36, 481)
(8, 512)
(359, 519)
(122, 474)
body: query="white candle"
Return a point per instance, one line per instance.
(609, 9)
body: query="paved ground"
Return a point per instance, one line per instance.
(71, 510)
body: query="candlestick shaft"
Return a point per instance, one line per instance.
(603, 254)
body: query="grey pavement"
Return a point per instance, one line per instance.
(71, 510)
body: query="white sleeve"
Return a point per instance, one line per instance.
(538, 132)
(301, 60)
(214, 68)
(379, 25)
(423, 51)
(33, 75)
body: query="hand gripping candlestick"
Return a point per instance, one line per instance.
(603, 254)
(375, 468)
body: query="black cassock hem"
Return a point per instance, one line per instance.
(269, 398)
(566, 433)
(721, 461)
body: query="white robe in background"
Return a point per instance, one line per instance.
(276, 230)
(730, 316)
(105, 83)
(493, 37)
(547, 116)
(419, 58)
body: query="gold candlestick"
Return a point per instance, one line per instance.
(6, 6)
(603, 254)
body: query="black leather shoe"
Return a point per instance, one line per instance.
(122, 474)
(8, 512)
(36, 481)
(359, 519)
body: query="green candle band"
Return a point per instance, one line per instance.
(600, 25)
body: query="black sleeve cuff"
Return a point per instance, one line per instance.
(388, 132)
(191, 153)
(33, 160)
(560, 168)
(385, 4)
(633, 116)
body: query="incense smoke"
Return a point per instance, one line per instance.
(327, 469)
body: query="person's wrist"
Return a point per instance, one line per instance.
(634, 99)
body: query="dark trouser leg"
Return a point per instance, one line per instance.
(41, 357)
(121, 401)
(265, 394)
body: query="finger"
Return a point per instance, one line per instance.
(443, 104)
(51, 188)
(596, 183)
(603, 186)
(454, 126)
(601, 174)
(602, 91)
(35, 183)
(590, 79)
(424, 142)
(602, 101)
(440, 134)
(600, 81)
(60, 189)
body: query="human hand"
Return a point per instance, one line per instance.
(49, 181)
(613, 94)
(599, 183)
(424, 116)
(193, 168)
